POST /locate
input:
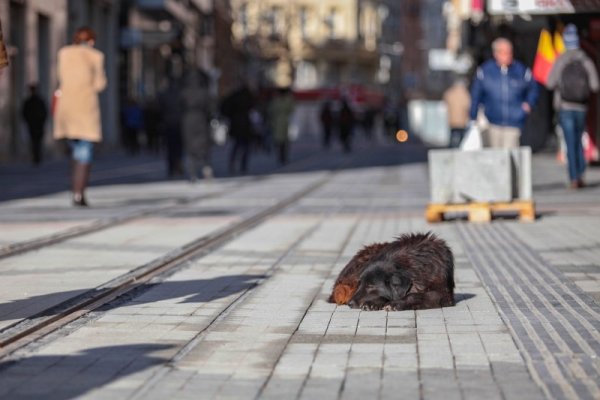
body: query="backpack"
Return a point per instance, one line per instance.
(574, 85)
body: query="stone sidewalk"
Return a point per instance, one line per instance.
(250, 320)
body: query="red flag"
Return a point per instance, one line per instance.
(544, 58)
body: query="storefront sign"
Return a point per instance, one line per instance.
(530, 7)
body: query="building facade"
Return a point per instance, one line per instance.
(160, 39)
(34, 31)
(309, 43)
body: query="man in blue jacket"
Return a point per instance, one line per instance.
(507, 91)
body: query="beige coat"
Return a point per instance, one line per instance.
(3, 55)
(458, 102)
(81, 76)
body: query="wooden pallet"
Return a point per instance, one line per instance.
(481, 212)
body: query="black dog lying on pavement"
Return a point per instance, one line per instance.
(416, 271)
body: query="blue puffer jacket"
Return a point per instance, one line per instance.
(502, 93)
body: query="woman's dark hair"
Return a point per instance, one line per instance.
(84, 34)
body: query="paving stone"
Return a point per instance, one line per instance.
(283, 339)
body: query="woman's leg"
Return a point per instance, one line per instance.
(82, 153)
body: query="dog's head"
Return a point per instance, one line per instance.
(380, 282)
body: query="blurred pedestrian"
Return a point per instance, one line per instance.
(35, 113)
(327, 122)
(346, 122)
(133, 123)
(458, 103)
(3, 54)
(508, 93)
(390, 118)
(151, 115)
(169, 102)
(260, 120)
(77, 116)
(368, 121)
(574, 77)
(236, 107)
(281, 109)
(195, 126)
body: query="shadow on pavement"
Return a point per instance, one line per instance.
(458, 297)
(193, 291)
(62, 377)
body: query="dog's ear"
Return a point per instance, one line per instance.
(342, 293)
(400, 285)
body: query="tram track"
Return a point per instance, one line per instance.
(33, 328)
(17, 248)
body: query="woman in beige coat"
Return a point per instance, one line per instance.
(77, 115)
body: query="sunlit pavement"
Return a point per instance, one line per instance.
(250, 319)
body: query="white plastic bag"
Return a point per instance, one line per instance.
(219, 130)
(293, 132)
(472, 139)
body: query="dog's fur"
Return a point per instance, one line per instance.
(416, 271)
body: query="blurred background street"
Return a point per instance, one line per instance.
(247, 150)
(392, 60)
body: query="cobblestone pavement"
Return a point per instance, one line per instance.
(250, 319)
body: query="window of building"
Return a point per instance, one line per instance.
(275, 20)
(207, 25)
(303, 22)
(244, 18)
(331, 22)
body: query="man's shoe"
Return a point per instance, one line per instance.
(79, 201)
(207, 172)
(574, 185)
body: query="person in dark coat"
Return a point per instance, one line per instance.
(346, 125)
(170, 126)
(197, 110)
(280, 112)
(236, 107)
(133, 123)
(151, 115)
(327, 121)
(35, 113)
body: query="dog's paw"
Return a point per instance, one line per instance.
(395, 306)
(372, 306)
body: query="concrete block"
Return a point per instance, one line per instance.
(487, 175)
(521, 164)
(441, 175)
(483, 175)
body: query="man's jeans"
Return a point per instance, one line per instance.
(573, 123)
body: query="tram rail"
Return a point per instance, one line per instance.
(33, 328)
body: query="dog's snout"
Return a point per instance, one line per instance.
(352, 303)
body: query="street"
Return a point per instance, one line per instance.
(168, 289)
